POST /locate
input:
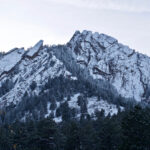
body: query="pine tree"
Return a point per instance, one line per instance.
(46, 131)
(136, 129)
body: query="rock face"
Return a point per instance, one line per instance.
(22, 68)
(107, 59)
(33, 51)
(9, 61)
(103, 57)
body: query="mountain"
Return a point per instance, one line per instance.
(127, 70)
(92, 72)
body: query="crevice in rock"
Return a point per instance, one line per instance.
(141, 77)
(96, 70)
(131, 54)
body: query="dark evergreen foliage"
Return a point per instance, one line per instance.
(53, 91)
(33, 85)
(129, 130)
(6, 87)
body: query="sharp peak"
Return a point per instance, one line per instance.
(40, 42)
(95, 35)
(86, 32)
(89, 36)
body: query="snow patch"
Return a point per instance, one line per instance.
(10, 60)
(94, 104)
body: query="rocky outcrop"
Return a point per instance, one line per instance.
(107, 59)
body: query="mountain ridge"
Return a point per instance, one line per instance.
(101, 63)
(112, 54)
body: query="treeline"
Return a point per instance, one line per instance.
(129, 130)
(55, 91)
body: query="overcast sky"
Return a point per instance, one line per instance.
(24, 22)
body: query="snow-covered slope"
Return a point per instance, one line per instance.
(93, 105)
(103, 57)
(10, 59)
(24, 70)
(107, 59)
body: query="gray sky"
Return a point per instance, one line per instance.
(24, 22)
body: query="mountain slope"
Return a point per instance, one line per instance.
(107, 59)
(92, 72)
(35, 65)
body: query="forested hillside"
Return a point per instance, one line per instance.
(128, 130)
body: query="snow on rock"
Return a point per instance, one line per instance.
(37, 69)
(35, 49)
(58, 119)
(10, 59)
(48, 110)
(105, 58)
(73, 102)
